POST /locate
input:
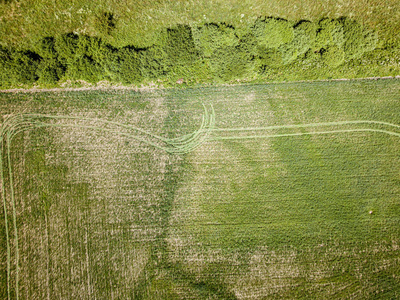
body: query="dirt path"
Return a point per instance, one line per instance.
(102, 86)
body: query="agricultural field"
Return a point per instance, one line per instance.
(285, 190)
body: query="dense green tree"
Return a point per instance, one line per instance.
(211, 50)
(23, 66)
(129, 65)
(50, 70)
(179, 45)
(46, 48)
(333, 56)
(212, 36)
(357, 40)
(270, 57)
(229, 63)
(85, 68)
(153, 62)
(304, 35)
(272, 32)
(66, 46)
(330, 32)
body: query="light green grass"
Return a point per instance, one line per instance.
(263, 192)
(24, 23)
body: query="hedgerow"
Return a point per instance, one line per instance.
(199, 53)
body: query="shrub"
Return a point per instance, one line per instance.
(304, 35)
(330, 32)
(357, 40)
(270, 57)
(333, 56)
(46, 48)
(229, 63)
(85, 57)
(306, 32)
(212, 36)
(111, 63)
(128, 70)
(50, 70)
(85, 68)
(23, 66)
(92, 47)
(179, 45)
(153, 62)
(272, 32)
(249, 44)
(212, 50)
(66, 46)
(5, 61)
(122, 65)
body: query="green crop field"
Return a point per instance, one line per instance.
(277, 191)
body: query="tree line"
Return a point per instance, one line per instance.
(212, 51)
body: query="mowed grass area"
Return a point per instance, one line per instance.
(261, 209)
(24, 23)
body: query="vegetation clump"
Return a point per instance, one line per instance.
(270, 49)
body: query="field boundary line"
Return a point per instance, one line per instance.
(3, 196)
(304, 133)
(306, 125)
(152, 88)
(9, 138)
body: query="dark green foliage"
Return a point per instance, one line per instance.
(128, 70)
(270, 57)
(92, 47)
(66, 46)
(333, 56)
(5, 64)
(330, 32)
(50, 70)
(357, 40)
(179, 46)
(47, 48)
(83, 55)
(153, 62)
(85, 68)
(111, 63)
(304, 38)
(229, 63)
(274, 48)
(22, 67)
(272, 32)
(212, 36)
(105, 23)
(249, 43)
